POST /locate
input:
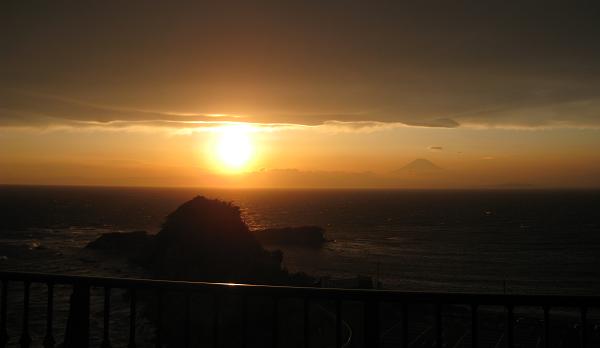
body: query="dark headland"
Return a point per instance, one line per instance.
(207, 240)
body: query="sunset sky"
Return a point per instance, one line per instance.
(300, 94)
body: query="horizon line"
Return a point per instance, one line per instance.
(314, 188)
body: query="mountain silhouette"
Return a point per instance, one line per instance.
(419, 166)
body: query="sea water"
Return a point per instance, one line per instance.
(521, 241)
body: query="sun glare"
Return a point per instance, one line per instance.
(233, 148)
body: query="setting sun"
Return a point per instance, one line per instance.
(233, 149)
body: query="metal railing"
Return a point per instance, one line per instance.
(372, 300)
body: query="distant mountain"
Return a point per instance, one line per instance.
(419, 166)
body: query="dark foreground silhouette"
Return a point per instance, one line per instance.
(207, 240)
(192, 245)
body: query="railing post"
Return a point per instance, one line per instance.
(583, 327)
(216, 319)
(306, 322)
(78, 324)
(244, 320)
(372, 324)
(25, 340)
(159, 302)
(405, 325)
(338, 323)
(438, 326)
(510, 326)
(49, 338)
(187, 320)
(275, 322)
(106, 328)
(132, 317)
(474, 326)
(547, 326)
(3, 311)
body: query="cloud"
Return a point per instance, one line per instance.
(436, 123)
(358, 126)
(47, 109)
(33, 110)
(547, 105)
(435, 148)
(363, 68)
(24, 109)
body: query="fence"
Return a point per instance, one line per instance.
(78, 334)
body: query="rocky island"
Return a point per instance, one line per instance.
(207, 240)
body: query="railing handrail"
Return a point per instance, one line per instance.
(77, 332)
(312, 292)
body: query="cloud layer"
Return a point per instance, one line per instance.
(19, 109)
(363, 67)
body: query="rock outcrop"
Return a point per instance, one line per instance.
(206, 239)
(133, 245)
(122, 241)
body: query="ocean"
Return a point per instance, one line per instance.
(493, 241)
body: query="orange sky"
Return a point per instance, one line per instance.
(123, 94)
(305, 158)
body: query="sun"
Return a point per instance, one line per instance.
(233, 148)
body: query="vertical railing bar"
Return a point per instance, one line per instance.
(132, 317)
(583, 327)
(438, 326)
(244, 320)
(49, 338)
(371, 323)
(405, 325)
(366, 328)
(77, 333)
(187, 321)
(474, 326)
(306, 322)
(338, 323)
(275, 322)
(547, 326)
(3, 311)
(159, 299)
(106, 324)
(376, 326)
(216, 319)
(25, 340)
(510, 326)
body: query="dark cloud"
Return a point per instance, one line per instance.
(505, 64)
(29, 109)
(436, 148)
(36, 109)
(438, 122)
